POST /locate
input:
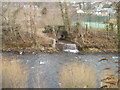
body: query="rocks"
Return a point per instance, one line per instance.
(32, 67)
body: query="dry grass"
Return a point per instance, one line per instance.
(12, 74)
(109, 79)
(43, 39)
(96, 40)
(39, 40)
(76, 75)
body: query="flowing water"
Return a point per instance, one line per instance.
(70, 48)
(43, 68)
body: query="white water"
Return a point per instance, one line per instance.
(70, 48)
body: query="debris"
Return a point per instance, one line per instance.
(115, 57)
(104, 59)
(108, 78)
(20, 52)
(106, 68)
(111, 82)
(33, 52)
(32, 67)
(42, 62)
(104, 86)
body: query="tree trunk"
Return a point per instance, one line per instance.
(118, 23)
(65, 17)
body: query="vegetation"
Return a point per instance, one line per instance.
(80, 75)
(110, 78)
(27, 32)
(118, 21)
(17, 36)
(46, 27)
(13, 75)
(77, 75)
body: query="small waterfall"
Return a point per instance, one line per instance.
(70, 48)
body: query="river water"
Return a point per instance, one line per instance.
(43, 68)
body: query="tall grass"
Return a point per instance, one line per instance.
(0, 70)
(76, 75)
(109, 78)
(12, 74)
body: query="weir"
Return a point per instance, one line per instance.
(70, 48)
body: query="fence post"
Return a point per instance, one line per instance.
(107, 29)
(86, 28)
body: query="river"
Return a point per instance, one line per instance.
(43, 68)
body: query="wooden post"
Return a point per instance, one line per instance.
(86, 30)
(107, 29)
(86, 27)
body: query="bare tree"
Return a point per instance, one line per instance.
(118, 21)
(65, 17)
(118, 16)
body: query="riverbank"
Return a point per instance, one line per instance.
(52, 51)
(30, 50)
(58, 49)
(85, 45)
